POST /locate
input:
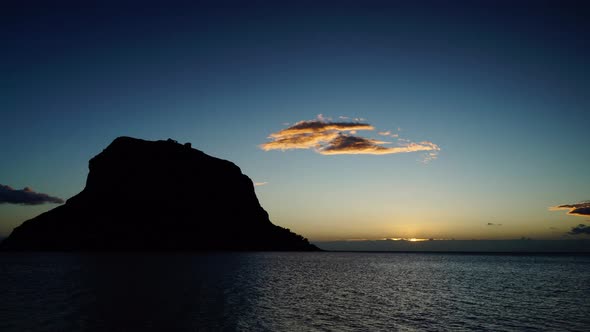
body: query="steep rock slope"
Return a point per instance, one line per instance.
(157, 195)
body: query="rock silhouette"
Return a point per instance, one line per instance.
(158, 195)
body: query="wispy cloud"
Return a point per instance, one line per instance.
(320, 126)
(577, 209)
(580, 229)
(492, 224)
(26, 196)
(329, 138)
(388, 133)
(349, 144)
(256, 184)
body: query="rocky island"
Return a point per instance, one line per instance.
(158, 196)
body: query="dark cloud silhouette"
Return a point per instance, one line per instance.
(492, 224)
(577, 209)
(25, 196)
(580, 229)
(583, 211)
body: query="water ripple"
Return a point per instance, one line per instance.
(293, 292)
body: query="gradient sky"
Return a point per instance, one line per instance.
(501, 89)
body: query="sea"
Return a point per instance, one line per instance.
(302, 291)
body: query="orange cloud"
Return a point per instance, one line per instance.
(317, 126)
(329, 138)
(346, 144)
(298, 141)
(578, 209)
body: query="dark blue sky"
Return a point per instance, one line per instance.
(501, 88)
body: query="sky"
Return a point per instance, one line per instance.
(355, 119)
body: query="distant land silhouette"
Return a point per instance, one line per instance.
(157, 196)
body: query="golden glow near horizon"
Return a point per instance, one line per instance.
(337, 228)
(417, 240)
(412, 239)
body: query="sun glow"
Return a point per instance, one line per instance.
(412, 239)
(417, 240)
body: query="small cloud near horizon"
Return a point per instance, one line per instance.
(257, 184)
(492, 224)
(330, 138)
(25, 196)
(577, 209)
(580, 229)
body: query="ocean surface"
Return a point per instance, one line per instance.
(326, 291)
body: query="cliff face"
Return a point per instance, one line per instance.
(157, 195)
